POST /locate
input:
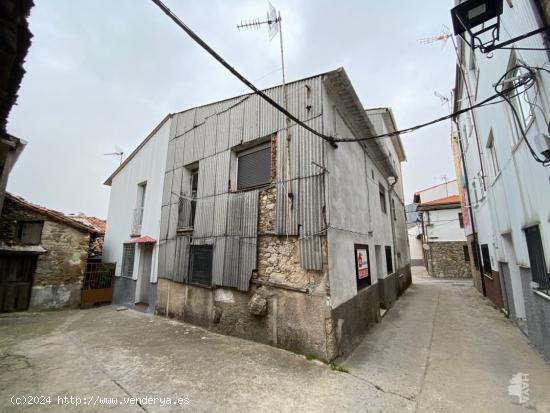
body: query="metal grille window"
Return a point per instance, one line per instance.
(461, 220)
(389, 260)
(254, 167)
(201, 265)
(29, 232)
(394, 215)
(382, 193)
(475, 254)
(128, 253)
(539, 274)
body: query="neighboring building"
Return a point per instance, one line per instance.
(444, 244)
(414, 226)
(504, 187)
(15, 40)
(43, 256)
(219, 220)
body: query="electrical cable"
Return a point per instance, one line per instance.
(330, 139)
(216, 56)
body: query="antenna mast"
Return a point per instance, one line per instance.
(273, 22)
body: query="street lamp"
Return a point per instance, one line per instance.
(470, 14)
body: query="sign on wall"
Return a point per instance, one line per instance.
(362, 266)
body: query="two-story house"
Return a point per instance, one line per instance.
(257, 228)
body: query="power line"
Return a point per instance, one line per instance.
(216, 56)
(332, 140)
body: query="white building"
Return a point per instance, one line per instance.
(506, 188)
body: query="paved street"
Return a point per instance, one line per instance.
(441, 348)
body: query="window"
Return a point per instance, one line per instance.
(466, 253)
(393, 209)
(138, 211)
(389, 260)
(201, 265)
(29, 232)
(382, 192)
(493, 159)
(128, 253)
(539, 274)
(187, 205)
(486, 260)
(254, 167)
(519, 98)
(461, 220)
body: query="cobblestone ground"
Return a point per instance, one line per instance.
(442, 347)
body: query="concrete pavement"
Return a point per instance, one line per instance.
(442, 347)
(446, 348)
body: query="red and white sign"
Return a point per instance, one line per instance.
(362, 263)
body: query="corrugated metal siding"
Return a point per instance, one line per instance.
(227, 220)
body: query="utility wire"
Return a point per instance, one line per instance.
(216, 56)
(332, 140)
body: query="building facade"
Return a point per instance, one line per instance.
(444, 245)
(505, 187)
(43, 257)
(263, 230)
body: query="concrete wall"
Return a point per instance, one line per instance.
(443, 225)
(438, 191)
(538, 316)
(146, 166)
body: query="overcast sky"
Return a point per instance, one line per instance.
(103, 73)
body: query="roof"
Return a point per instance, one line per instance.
(15, 40)
(339, 83)
(52, 214)
(94, 222)
(145, 239)
(453, 200)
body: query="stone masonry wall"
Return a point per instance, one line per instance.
(65, 261)
(447, 260)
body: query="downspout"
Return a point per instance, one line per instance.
(392, 225)
(470, 210)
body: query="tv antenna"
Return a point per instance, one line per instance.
(118, 152)
(273, 22)
(441, 37)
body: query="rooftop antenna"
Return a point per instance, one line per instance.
(441, 37)
(118, 152)
(274, 26)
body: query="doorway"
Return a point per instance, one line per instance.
(144, 277)
(16, 277)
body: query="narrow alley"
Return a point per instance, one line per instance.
(433, 352)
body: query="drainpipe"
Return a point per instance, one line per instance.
(470, 209)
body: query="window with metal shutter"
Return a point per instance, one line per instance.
(254, 168)
(536, 258)
(201, 264)
(128, 253)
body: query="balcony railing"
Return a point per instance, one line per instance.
(186, 212)
(137, 221)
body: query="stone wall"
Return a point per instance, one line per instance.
(59, 272)
(446, 260)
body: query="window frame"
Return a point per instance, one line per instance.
(19, 229)
(246, 152)
(493, 156)
(542, 280)
(382, 197)
(389, 259)
(192, 250)
(486, 261)
(128, 263)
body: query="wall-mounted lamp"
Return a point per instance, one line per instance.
(469, 15)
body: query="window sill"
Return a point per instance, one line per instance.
(543, 295)
(251, 188)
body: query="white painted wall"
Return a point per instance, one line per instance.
(146, 166)
(443, 225)
(517, 196)
(438, 191)
(415, 244)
